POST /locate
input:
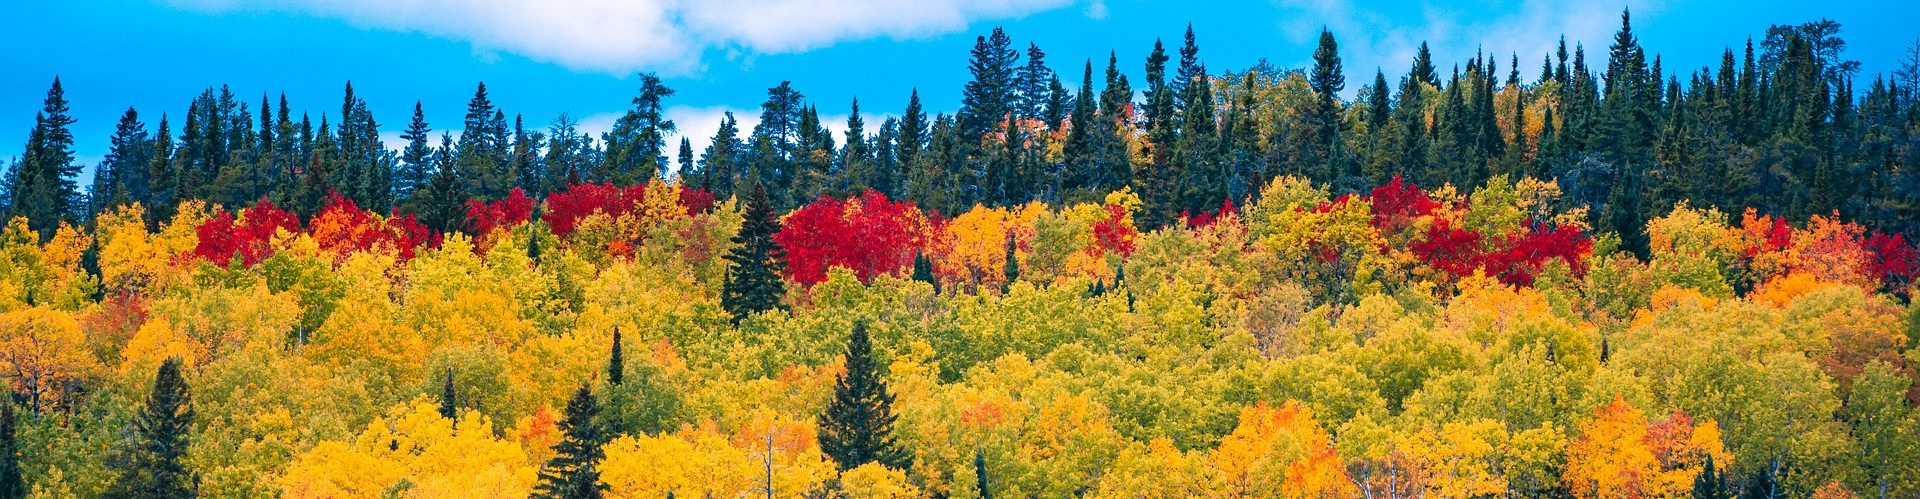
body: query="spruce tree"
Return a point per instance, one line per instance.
(923, 271)
(1327, 80)
(42, 186)
(448, 407)
(12, 486)
(416, 161)
(857, 427)
(1710, 483)
(616, 364)
(1012, 267)
(980, 472)
(636, 148)
(152, 465)
(753, 282)
(574, 473)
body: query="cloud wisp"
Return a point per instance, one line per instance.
(667, 36)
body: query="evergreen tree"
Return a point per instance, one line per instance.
(42, 186)
(160, 194)
(1032, 82)
(636, 147)
(153, 466)
(449, 408)
(980, 474)
(989, 97)
(1012, 267)
(857, 427)
(753, 281)
(856, 160)
(1711, 483)
(616, 364)
(416, 161)
(122, 176)
(719, 169)
(923, 271)
(574, 473)
(1327, 80)
(684, 162)
(12, 485)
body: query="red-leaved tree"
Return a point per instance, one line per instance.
(869, 235)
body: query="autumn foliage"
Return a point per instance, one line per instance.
(869, 235)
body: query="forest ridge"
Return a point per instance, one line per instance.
(1549, 278)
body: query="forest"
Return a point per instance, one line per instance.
(1568, 278)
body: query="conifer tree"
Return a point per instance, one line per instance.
(416, 161)
(616, 365)
(42, 186)
(12, 485)
(857, 427)
(989, 96)
(753, 282)
(1013, 261)
(923, 271)
(1711, 483)
(980, 474)
(636, 147)
(153, 466)
(574, 473)
(448, 407)
(1327, 80)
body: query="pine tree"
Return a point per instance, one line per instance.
(923, 271)
(988, 98)
(12, 486)
(122, 177)
(416, 161)
(636, 148)
(152, 465)
(1710, 483)
(1012, 267)
(42, 186)
(753, 282)
(574, 473)
(719, 164)
(857, 427)
(449, 408)
(683, 163)
(616, 364)
(1327, 80)
(980, 472)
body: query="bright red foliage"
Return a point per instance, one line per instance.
(1207, 218)
(566, 208)
(221, 238)
(1116, 233)
(1447, 249)
(1396, 204)
(869, 235)
(696, 200)
(515, 209)
(1892, 260)
(1526, 253)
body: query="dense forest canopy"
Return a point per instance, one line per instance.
(1585, 278)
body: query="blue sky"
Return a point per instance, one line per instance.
(581, 56)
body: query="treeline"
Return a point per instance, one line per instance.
(1777, 125)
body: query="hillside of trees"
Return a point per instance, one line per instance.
(1573, 280)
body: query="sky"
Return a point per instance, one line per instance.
(540, 59)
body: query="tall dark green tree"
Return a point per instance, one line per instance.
(719, 164)
(989, 96)
(857, 427)
(153, 465)
(42, 186)
(1327, 80)
(753, 279)
(122, 176)
(637, 145)
(616, 363)
(449, 404)
(416, 161)
(574, 471)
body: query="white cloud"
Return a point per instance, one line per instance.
(668, 36)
